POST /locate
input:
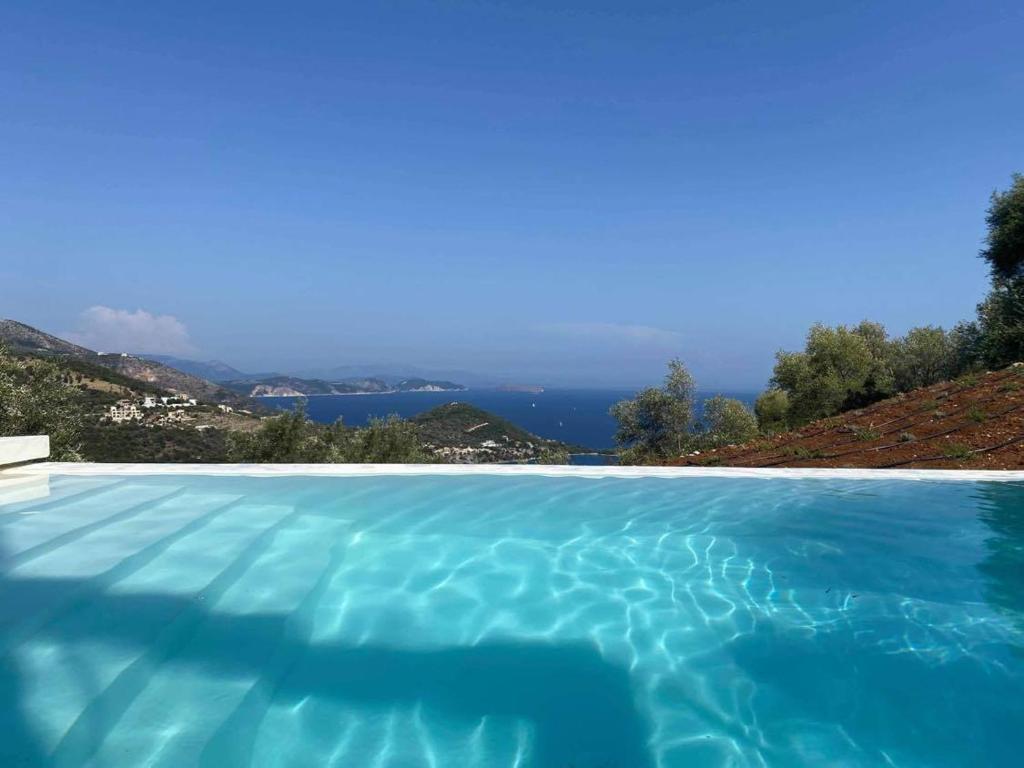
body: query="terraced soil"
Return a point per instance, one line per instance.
(975, 422)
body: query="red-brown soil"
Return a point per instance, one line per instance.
(975, 422)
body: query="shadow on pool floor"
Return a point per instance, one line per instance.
(580, 706)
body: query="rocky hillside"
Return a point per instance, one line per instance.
(24, 339)
(974, 422)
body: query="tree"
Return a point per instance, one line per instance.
(772, 410)
(289, 438)
(292, 438)
(925, 356)
(726, 421)
(839, 368)
(36, 400)
(654, 425)
(1004, 249)
(1001, 323)
(385, 441)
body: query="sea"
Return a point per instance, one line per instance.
(576, 416)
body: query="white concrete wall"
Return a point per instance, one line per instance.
(14, 450)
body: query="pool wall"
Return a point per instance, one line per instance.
(362, 470)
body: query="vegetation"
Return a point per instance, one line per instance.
(1004, 249)
(291, 438)
(726, 422)
(133, 442)
(655, 425)
(36, 399)
(658, 424)
(772, 409)
(463, 432)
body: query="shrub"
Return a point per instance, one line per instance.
(957, 451)
(772, 410)
(865, 434)
(907, 437)
(800, 452)
(976, 415)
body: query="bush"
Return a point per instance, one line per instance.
(957, 451)
(771, 410)
(865, 434)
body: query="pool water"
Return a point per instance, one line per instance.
(436, 621)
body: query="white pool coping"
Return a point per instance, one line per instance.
(364, 470)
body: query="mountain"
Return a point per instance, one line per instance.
(462, 432)
(211, 370)
(974, 422)
(294, 386)
(25, 339)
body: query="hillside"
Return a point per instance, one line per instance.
(295, 386)
(211, 370)
(24, 339)
(463, 432)
(974, 422)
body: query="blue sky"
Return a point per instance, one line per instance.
(550, 192)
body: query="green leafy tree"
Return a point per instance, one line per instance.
(726, 421)
(772, 410)
(385, 441)
(1004, 245)
(289, 438)
(839, 368)
(292, 438)
(1001, 323)
(654, 425)
(923, 357)
(35, 399)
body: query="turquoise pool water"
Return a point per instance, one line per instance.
(441, 621)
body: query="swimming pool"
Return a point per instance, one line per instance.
(512, 619)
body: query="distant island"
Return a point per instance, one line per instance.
(294, 386)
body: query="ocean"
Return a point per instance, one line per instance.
(575, 416)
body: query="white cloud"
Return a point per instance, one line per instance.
(615, 333)
(118, 330)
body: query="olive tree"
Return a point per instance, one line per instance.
(1004, 245)
(772, 411)
(726, 421)
(655, 424)
(35, 399)
(925, 356)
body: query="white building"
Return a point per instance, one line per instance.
(123, 411)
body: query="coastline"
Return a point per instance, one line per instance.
(348, 394)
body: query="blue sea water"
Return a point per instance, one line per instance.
(576, 416)
(547, 622)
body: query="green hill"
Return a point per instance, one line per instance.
(463, 432)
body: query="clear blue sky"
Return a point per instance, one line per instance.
(555, 192)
